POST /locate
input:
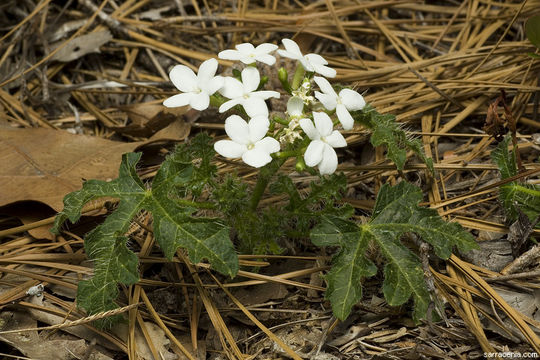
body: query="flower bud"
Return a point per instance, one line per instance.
(283, 77)
(264, 80)
(300, 164)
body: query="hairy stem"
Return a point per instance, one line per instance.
(264, 178)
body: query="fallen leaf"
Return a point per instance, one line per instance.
(520, 231)
(148, 119)
(44, 164)
(36, 345)
(78, 331)
(82, 45)
(29, 212)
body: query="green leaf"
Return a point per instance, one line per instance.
(349, 266)
(174, 225)
(388, 132)
(396, 212)
(515, 194)
(532, 30)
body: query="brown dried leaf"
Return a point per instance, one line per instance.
(82, 45)
(44, 165)
(37, 345)
(148, 119)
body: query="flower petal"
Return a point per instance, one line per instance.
(295, 106)
(292, 48)
(306, 64)
(256, 157)
(352, 100)
(323, 123)
(213, 85)
(329, 162)
(268, 145)
(200, 101)
(255, 106)
(237, 129)
(344, 117)
(316, 59)
(329, 101)
(266, 59)
(309, 129)
(265, 48)
(324, 85)
(229, 149)
(314, 153)
(207, 71)
(336, 140)
(258, 127)
(284, 53)
(265, 94)
(230, 55)
(232, 88)
(324, 70)
(178, 100)
(251, 79)
(229, 104)
(245, 48)
(183, 78)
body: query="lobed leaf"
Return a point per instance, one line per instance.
(349, 266)
(388, 132)
(174, 225)
(396, 212)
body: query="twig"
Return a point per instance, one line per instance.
(81, 321)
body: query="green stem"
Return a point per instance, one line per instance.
(280, 120)
(298, 77)
(217, 100)
(526, 190)
(264, 178)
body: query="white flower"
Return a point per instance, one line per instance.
(295, 107)
(303, 91)
(248, 54)
(295, 110)
(248, 141)
(347, 100)
(244, 93)
(196, 88)
(320, 151)
(310, 62)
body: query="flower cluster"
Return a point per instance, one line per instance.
(306, 129)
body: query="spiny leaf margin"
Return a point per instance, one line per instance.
(174, 226)
(396, 212)
(385, 130)
(514, 195)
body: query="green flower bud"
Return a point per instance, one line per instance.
(300, 164)
(264, 80)
(283, 77)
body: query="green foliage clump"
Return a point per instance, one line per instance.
(174, 224)
(213, 218)
(516, 194)
(388, 132)
(396, 212)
